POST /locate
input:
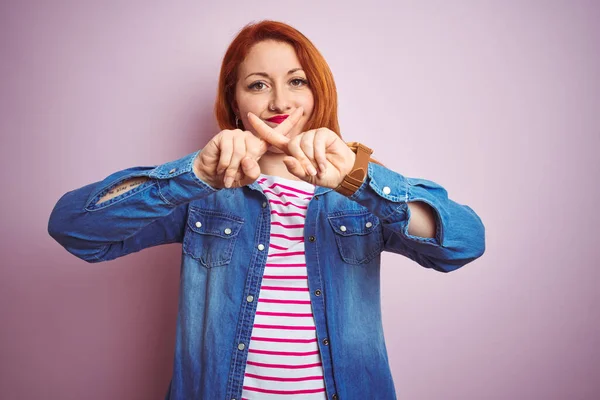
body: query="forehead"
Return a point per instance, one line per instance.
(271, 57)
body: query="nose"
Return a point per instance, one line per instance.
(280, 101)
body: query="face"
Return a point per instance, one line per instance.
(271, 75)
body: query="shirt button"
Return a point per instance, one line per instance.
(368, 224)
(334, 397)
(387, 190)
(325, 341)
(264, 204)
(261, 247)
(241, 346)
(312, 238)
(198, 224)
(227, 231)
(317, 292)
(173, 171)
(343, 228)
(250, 299)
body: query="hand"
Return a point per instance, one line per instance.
(230, 159)
(318, 156)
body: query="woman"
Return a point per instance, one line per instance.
(282, 225)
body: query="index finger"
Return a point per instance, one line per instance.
(275, 136)
(290, 121)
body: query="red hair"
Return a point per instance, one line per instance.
(320, 78)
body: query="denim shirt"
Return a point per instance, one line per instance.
(225, 240)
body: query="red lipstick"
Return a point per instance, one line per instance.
(278, 118)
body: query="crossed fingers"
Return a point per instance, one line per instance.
(239, 152)
(309, 146)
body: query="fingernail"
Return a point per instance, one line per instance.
(228, 182)
(322, 167)
(312, 170)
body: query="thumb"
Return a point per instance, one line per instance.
(262, 148)
(295, 167)
(256, 146)
(251, 169)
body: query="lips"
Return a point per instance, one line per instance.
(278, 119)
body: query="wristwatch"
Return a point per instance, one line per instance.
(358, 173)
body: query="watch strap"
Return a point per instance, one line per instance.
(358, 173)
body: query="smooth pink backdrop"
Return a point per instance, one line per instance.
(497, 102)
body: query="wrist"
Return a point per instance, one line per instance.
(201, 175)
(358, 173)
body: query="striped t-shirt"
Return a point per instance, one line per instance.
(283, 355)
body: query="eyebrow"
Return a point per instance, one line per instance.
(291, 71)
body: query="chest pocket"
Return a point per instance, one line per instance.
(211, 236)
(358, 235)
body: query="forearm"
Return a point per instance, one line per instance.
(94, 219)
(422, 221)
(122, 188)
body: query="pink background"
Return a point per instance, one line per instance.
(498, 103)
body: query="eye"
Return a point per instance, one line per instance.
(253, 86)
(298, 82)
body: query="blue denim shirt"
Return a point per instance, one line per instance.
(221, 272)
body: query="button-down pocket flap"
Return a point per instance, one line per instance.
(354, 224)
(211, 236)
(214, 223)
(357, 234)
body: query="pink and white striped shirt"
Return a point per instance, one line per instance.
(283, 355)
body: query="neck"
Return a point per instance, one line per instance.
(272, 164)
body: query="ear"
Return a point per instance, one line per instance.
(235, 108)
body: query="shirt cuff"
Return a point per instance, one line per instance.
(387, 193)
(178, 183)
